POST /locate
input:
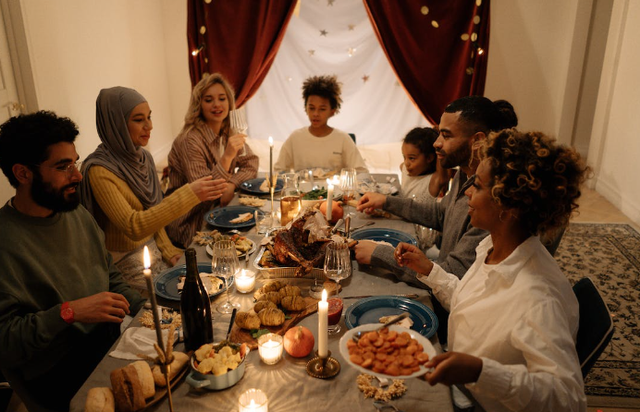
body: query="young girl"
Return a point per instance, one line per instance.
(320, 145)
(419, 161)
(205, 147)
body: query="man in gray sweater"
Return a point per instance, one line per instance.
(464, 125)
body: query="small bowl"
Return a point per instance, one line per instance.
(209, 381)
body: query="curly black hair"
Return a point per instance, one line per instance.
(25, 139)
(323, 86)
(479, 114)
(534, 175)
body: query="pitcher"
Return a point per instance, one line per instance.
(290, 198)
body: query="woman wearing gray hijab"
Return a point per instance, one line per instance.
(122, 190)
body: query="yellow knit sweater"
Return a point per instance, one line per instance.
(126, 224)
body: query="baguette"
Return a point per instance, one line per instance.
(180, 360)
(99, 400)
(127, 390)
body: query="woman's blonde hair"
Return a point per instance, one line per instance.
(194, 119)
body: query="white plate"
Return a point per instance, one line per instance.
(426, 344)
(250, 251)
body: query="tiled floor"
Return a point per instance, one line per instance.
(593, 208)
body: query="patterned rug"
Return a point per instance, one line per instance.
(609, 254)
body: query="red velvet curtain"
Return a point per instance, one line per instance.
(424, 43)
(238, 38)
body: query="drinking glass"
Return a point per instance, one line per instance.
(349, 185)
(238, 124)
(337, 266)
(225, 264)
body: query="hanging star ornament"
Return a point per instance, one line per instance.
(312, 52)
(323, 32)
(351, 27)
(330, 2)
(351, 51)
(365, 78)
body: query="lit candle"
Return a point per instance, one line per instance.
(245, 281)
(253, 400)
(270, 348)
(271, 181)
(323, 321)
(329, 199)
(157, 314)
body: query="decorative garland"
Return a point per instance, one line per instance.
(395, 390)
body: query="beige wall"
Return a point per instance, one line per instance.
(615, 145)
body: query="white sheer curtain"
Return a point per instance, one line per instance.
(334, 37)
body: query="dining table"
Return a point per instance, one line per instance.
(287, 384)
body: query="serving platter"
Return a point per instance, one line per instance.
(390, 236)
(208, 248)
(253, 186)
(280, 271)
(222, 217)
(370, 310)
(426, 344)
(166, 283)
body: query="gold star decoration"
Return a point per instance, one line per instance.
(330, 2)
(312, 52)
(351, 27)
(365, 78)
(323, 32)
(351, 51)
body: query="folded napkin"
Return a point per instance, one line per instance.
(137, 340)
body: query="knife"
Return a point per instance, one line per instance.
(408, 296)
(233, 318)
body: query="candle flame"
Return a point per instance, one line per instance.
(145, 258)
(324, 295)
(270, 141)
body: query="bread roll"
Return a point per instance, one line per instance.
(294, 303)
(100, 400)
(146, 378)
(127, 390)
(179, 362)
(248, 320)
(271, 317)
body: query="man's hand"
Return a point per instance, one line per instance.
(227, 194)
(452, 368)
(102, 307)
(364, 249)
(371, 201)
(208, 189)
(413, 258)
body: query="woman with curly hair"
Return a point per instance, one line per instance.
(205, 147)
(320, 145)
(514, 316)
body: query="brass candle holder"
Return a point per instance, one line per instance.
(323, 367)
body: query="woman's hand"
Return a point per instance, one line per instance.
(371, 201)
(452, 368)
(208, 189)
(227, 194)
(413, 258)
(234, 144)
(101, 307)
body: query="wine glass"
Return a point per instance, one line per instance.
(238, 124)
(225, 264)
(337, 266)
(349, 185)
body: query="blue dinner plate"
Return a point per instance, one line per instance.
(253, 186)
(223, 216)
(370, 310)
(385, 235)
(166, 283)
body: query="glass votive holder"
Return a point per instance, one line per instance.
(253, 400)
(245, 281)
(270, 348)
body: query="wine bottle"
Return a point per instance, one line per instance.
(195, 307)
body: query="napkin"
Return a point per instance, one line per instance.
(137, 340)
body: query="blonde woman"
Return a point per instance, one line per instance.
(204, 147)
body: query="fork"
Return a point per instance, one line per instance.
(238, 124)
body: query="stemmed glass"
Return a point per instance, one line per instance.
(349, 185)
(225, 264)
(337, 266)
(238, 124)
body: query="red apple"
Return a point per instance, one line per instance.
(336, 211)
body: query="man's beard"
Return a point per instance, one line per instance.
(461, 157)
(46, 196)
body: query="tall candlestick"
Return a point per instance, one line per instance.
(329, 199)
(271, 180)
(323, 322)
(152, 296)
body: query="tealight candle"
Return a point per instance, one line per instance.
(253, 400)
(270, 348)
(245, 281)
(323, 325)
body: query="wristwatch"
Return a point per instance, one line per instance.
(66, 313)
